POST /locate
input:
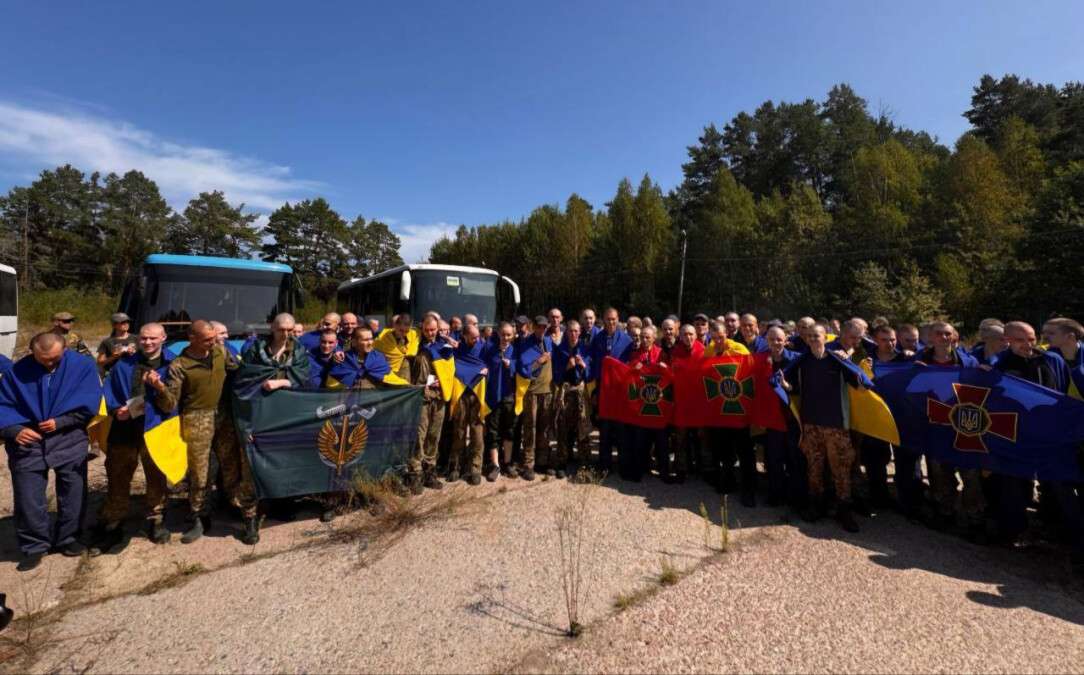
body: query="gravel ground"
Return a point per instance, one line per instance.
(479, 591)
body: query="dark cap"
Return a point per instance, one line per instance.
(63, 316)
(522, 320)
(541, 320)
(701, 317)
(120, 317)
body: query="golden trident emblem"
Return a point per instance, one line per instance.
(341, 448)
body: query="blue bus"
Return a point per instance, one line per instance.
(175, 290)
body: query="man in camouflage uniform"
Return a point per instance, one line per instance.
(195, 382)
(422, 464)
(467, 428)
(62, 326)
(233, 464)
(570, 398)
(127, 449)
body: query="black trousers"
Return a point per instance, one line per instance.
(785, 463)
(729, 446)
(634, 453)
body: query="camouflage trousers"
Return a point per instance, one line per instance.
(571, 421)
(120, 466)
(820, 443)
(199, 429)
(537, 418)
(467, 435)
(424, 457)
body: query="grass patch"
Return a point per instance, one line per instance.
(183, 573)
(575, 544)
(625, 600)
(669, 574)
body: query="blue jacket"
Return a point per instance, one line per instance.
(603, 345)
(1075, 372)
(501, 381)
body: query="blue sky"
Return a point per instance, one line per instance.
(429, 115)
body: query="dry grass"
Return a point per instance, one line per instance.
(669, 574)
(183, 573)
(575, 544)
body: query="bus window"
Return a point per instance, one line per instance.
(456, 293)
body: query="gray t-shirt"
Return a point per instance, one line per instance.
(111, 343)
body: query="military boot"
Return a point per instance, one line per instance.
(431, 480)
(157, 532)
(199, 526)
(251, 535)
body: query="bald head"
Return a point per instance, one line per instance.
(48, 349)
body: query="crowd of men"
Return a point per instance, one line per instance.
(817, 466)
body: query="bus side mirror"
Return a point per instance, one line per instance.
(515, 289)
(404, 286)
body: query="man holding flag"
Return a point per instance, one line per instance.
(1023, 359)
(819, 376)
(46, 402)
(467, 409)
(132, 384)
(731, 444)
(422, 465)
(570, 366)
(500, 359)
(782, 458)
(610, 341)
(534, 385)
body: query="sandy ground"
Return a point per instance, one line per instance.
(477, 589)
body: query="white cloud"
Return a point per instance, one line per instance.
(93, 143)
(416, 240)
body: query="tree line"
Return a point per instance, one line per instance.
(824, 207)
(71, 229)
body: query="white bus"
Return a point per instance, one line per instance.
(9, 310)
(416, 289)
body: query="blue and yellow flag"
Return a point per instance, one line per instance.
(440, 356)
(374, 366)
(28, 396)
(468, 375)
(530, 350)
(394, 352)
(973, 418)
(161, 431)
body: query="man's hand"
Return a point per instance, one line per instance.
(545, 358)
(274, 385)
(783, 382)
(452, 342)
(579, 361)
(48, 426)
(638, 366)
(27, 436)
(123, 414)
(338, 357)
(841, 354)
(152, 379)
(986, 366)
(507, 362)
(484, 372)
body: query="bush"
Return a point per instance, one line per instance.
(36, 308)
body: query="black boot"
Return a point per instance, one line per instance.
(158, 533)
(432, 482)
(845, 516)
(106, 539)
(193, 533)
(251, 536)
(6, 613)
(414, 484)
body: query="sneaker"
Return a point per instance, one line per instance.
(158, 533)
(511, 472)
(560, 474)
(432, 482)
(474, 479)
(528, 474)
(551, 473)
(193, 533)
(453, 476)
(493, 473)
(29, 561)
(74, 549)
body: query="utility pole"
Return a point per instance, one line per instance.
(681, 279)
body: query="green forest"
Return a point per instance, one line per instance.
(809, 207)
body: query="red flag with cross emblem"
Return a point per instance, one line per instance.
(724, 391)
(643, 397)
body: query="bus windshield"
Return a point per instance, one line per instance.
(244, 300)
(455, 293)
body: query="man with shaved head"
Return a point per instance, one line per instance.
(194, 386)
(46, 401)
(348, 322)
(1026, 360)
(749, 334)
(132, 384)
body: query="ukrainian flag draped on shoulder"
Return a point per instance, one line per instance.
(440, 357)
(469, 365)
(372, 365)
(74, 386)
(530, 350)
(161, 431)
(394, 352)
